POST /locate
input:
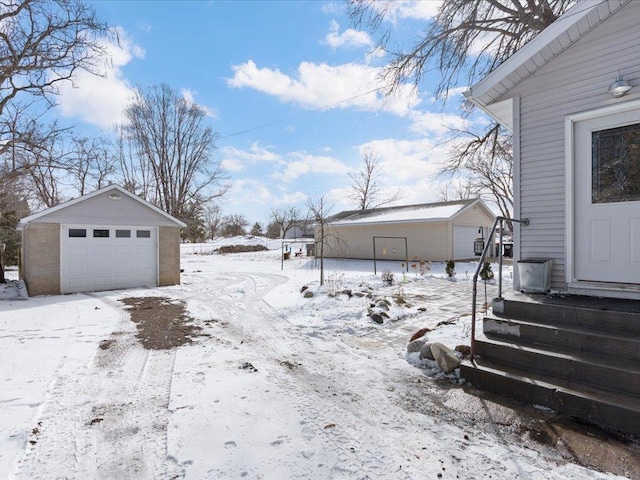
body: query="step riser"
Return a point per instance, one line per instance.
(608, 320)
(572, 370)
(581, 342)
(599, 413)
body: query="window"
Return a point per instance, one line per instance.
(615, 164)
(143, 233)
(100, 233)
(77, 232)
(123, 233)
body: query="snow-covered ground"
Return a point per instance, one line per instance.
(278, 386)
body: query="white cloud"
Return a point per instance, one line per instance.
(375, 54)
(397, 10)
(302, 163)
(254, 154)
(247, 191)
(439, 124)
(350, 38)
(189, 96)
(100, 100)
(324, 86)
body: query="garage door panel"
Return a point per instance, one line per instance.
(106, 263)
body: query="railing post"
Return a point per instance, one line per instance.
(500, 259)
(500, 220)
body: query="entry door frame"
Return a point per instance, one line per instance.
(621, 290)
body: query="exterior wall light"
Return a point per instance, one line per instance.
(620, 87)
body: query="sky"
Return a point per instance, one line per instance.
(292, 88)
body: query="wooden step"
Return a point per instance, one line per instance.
(603, 408)
(610, 373)
(576, 338)
(615, 316)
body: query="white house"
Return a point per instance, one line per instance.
(571, 97)
(106, 240)
(576, 146)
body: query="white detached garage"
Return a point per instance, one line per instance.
(432, 231)
(106, 240)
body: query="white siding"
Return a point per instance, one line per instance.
(575, 81)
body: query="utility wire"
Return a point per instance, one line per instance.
(319, 109)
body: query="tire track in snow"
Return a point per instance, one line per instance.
(342, 434)
(108, 419)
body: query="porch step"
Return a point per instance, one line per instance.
(613, 316)
(596, 371)
(577, 355)
(575, 338)
(607, 409)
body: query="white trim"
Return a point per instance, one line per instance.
(95, 193)
(550, 39)
(570, 121)
(609, 290)
(516, 189)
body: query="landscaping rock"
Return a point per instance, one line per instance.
(347, 292)
(425, 351)
(308, 294)
(382, 305)
(419, 333)
(416, 345)
(446, 358)
(376, 317)
(463, 349)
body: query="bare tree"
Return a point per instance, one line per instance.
(487, 166)
(213, 220)
(91, 165)
(286, 219)
(319, 211)
(43, 43)
(234, 225)
(465, 41)
(367, 187)
(174, 144)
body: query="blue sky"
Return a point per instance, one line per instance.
(285, 86)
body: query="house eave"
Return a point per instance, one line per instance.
(556, 38)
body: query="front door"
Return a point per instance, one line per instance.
(607, 198)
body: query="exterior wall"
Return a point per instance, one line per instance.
(168, 256)
(575, 81)
(101, 210)
(474, 216)
(425, 240)
(41, 258)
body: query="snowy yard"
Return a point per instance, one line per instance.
(274, 385)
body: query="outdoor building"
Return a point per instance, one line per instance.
(106, 240)
(430, 232)
(569, 340)
(576, 131)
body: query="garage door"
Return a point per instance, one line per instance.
(107, 258)
(463, 238)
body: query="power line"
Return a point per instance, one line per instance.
(319, 109)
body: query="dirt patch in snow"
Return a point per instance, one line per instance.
(162, 323)
(241, 248)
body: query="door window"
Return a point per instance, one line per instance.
(616, 164)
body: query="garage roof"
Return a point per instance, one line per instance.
(114, 191)
(426, 212)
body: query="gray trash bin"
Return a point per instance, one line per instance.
(535, 275)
